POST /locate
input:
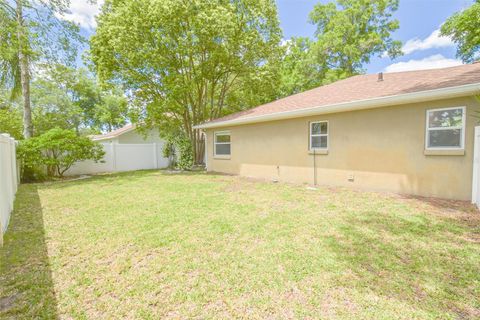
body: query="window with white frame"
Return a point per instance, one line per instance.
(445, 128)
(319, 135)
(222, 144)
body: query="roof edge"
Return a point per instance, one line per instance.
(108, 135)
(450, 92)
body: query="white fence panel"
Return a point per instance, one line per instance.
(9, 180)
(90, 167)
(124, 157)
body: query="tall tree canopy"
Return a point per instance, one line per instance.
(349, 33)
(66, 98)
(32, 31)
(464, 29)
(186, 62)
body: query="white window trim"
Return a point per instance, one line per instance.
(463, 128)
(221, 133)
(310, 135)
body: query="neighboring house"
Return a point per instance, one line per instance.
(406, 132)
(126, 149)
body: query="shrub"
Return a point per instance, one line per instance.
(185, 150)
(170, 153)
(178, 149)
(57, 150)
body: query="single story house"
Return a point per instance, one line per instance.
(406, 132)
(126, 149)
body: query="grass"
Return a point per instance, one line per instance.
(153, 245)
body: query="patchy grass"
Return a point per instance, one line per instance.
(156, 245)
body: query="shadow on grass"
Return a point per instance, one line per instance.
(403, 259)
(26, 285)
(116, 176)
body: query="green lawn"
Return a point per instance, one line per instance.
(155, 245)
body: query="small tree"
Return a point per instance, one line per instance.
(58, 150)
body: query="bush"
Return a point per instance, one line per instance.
(170, 153)
(185, 150)
(178, 149)
(57, 150)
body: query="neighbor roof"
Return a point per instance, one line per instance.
(363, 92)
(114, 133)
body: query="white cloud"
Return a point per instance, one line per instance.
(431, 62)
(434, 40)
(83, 13)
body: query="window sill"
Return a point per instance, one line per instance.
(444, 152)
(222, 157)
(318, 151)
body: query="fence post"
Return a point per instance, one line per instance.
(155, 156)
(114, 157)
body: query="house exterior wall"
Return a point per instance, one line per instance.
(381, 149)
(136, 137)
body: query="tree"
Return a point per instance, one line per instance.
(58, 150)
(65, 97)
(33, 31)
(111, 112)
(187, 62)
(69, 98)
(10, 117)
(52, 106)
(464, 29)
(350, 32)
(299, 70)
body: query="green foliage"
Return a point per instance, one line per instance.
(112, 111)
(11, 122)
(299, 71)
(169, 152)
(350, 32)
(464, 29)
(68, 98)
(33, 32)
(9, 62)
(185, 154)
(10, 118)
(45, 36)
(186, 62)
(178, 149)
(58, 150)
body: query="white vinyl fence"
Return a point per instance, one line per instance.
(124, 157)
(9, 180)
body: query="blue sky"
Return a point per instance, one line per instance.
(419, 23)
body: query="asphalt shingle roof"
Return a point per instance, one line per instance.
(364, 87)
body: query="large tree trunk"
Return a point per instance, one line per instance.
(199, 147)
(24, 73)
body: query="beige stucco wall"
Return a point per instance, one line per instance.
(383, 149)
